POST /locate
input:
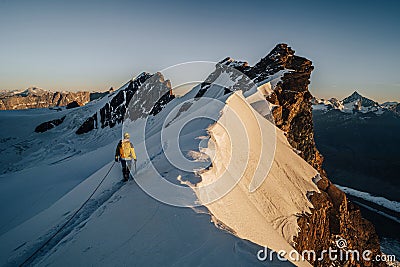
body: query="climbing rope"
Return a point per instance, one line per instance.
(69, 220)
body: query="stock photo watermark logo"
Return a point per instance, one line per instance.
(340, 253)
(172, 164)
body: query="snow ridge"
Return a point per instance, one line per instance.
(384, 202)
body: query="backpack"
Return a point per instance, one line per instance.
(125, 149)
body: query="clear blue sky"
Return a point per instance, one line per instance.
(93, 45)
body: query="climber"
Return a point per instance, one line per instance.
(125, 153)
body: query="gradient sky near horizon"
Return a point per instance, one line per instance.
(93, 45)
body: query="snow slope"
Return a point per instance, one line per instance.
(122, 225)
(129, 228)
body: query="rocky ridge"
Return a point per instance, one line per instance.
(333, 216)
(38, 98)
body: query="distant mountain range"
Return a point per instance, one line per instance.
(34, 97)
(356, 103)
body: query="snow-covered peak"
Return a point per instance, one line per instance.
(354, 96)
(363, 101)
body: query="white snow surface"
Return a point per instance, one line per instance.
(39, 168)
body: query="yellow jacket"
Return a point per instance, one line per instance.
(125, 150)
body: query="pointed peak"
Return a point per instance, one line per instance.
(355, 96)
(226, 60)
(355, 93)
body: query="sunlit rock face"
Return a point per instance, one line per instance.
(39, 98)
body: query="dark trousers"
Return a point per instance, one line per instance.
(126, 166)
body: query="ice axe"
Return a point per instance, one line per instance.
(135, 167)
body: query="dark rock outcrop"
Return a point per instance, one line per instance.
(74, 104)
(396, 109)
(98, 95)
(38, 98)
(114, 111)
(45, 126)
(88, 125)
(164, 100)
